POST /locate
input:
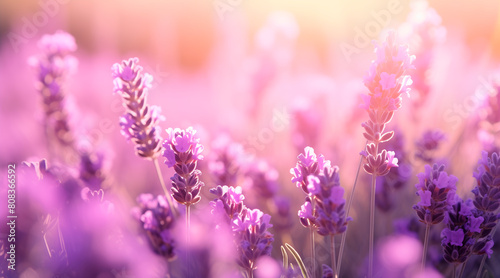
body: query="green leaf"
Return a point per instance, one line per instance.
(285, 258)
(298, 259)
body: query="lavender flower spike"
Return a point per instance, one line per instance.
(140, 123)
(182, 152)
(437, 194)
(53, 66)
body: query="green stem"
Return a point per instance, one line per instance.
(348, 208)
(426, 244)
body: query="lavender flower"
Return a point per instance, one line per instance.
(487, 190)
(437, 193)
(229, 202)
(328, 212)
(249, 226)
(182, 152)
(261, 179)
(428, 144)
(140, 123)
(158, 221)
(91, 169)
(457, 238)
(386, 81)
(254, 239)
(486, 200)
(308, 164)
(53, 67)
(225, 161)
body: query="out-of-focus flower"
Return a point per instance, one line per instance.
(424, 32)
(306, 124)
(428, 144)
(158, 222)
(53, 66)
(140, 123)
(182, 150)
(225, 161)
(437, 193)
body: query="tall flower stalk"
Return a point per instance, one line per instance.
(437, 194)
(182, 151)
(53, 67)
(324, 209)
(140, 122)
(386, 81)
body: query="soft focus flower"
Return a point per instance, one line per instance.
(158, 222)
(140, 122)
(428, 144)
(53, 66)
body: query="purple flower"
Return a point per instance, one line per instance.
(53, 66)
(474, 224)
(229, 199)
(254, 239)
(487, 190)
(158, 221)
(386, 81)
(313, 185)
(429, 143)
(437, 192)
(452, 237)
(225, 160)
(425, 197)
(182, 151)
(306, 211)
(140, 122)
(308, 164)
(324, 205)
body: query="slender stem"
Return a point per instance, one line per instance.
(164, 187)
(454, 275)
(332, 247)
(372, 226)
(188, 227)
(480, 270)
(250, 273)
(426, 244)
(313, 254)
(462, 269)
(348, 208)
